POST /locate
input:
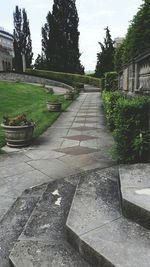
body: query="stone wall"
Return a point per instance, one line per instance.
(31, 79)
(135, 76)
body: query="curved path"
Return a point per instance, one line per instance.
(77, 141)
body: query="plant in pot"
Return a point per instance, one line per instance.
(54, 105)
(69, 95)
(18, 130)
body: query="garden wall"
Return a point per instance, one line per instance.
(135, 76)
(31, 79)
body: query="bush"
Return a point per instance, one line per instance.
(71, 79)
(128, 119)
(111, 81)
(103, 84)
(109, 101)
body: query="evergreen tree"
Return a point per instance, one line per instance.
(105, 59)
(60, 38)
(22, 39)
(118, 60)
(40, 62)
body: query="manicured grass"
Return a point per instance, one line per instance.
(18, 98)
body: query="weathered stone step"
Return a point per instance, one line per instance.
(15, 219)
(91, 89)
(135, 191)
(96, 227)
(43, 241)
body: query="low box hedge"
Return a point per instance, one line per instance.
(128, 120)
(72, 79)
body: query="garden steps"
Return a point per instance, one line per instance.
(135, 191)
(91, 89)
(43, 240)
(97, 228)
(13, 222)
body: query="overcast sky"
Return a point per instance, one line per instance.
(94, 16)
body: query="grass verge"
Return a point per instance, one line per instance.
(18, 98)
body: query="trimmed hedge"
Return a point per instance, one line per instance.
(103, 84)
(109, 101)
(111, 81)
(128, 119)
(68, 78)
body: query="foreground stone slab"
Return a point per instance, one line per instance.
(97, 229)
(14, 221)
(135, 190)
(43, 241)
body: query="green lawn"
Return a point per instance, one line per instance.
(18, 98)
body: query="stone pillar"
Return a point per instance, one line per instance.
(23, 62)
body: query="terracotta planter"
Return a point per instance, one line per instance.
(18, 136)
(54, 106)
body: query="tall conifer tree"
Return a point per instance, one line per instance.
(60, 38)
(105, 59)
(22, 39)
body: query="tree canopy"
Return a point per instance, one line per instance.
(137, 39)
(22, 39)
(105, 59)
(60, 38)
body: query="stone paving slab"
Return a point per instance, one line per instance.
(14, 221)
(119, 244)
(97, 229)
(135, 190)
(54, 168)
(43, 241)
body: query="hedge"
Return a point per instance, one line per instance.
(128, 119)
(111, 81)
(68, 78)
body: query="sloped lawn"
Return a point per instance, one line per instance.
(18, 98)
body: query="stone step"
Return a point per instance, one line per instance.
(97, 229)
(91, 89)
(15, 219)
(135, 191)
(43, 241)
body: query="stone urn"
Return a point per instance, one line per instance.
(54, 106)
(69, 95)
(18, 136)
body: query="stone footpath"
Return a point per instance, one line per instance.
(65, 193)
(77, 141)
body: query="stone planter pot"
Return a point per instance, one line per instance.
(69, 96)
(54, 106)
(18, 136)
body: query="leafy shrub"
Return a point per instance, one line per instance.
(128, 119)
(111, 81)
(74, 80)
(109, 101)
(103, 84)
(20, 120)
(131, 129)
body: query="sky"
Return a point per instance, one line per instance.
(94, 17)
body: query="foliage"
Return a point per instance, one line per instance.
(74, 80)
(103, 84)
(111, 81)
(20, 120)
(118, 57)
(128, 119)
(109, 101)
(22, 39)
(105, 59)
(21, 98)
(60, 38)
(137, 38)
